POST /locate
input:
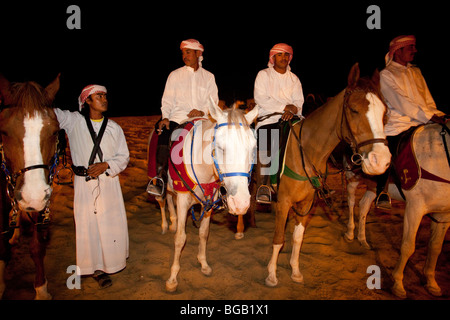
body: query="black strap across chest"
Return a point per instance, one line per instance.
(96, 139)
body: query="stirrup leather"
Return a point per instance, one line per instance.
(154, 184)
(264, 195)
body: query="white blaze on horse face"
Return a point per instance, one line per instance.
(379, 158)
(239, 145)
(35, 190)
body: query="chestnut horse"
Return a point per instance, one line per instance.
(29, 129)
(222, 150)
(429, 195)
(355, 115)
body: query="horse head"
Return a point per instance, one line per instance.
(28, 130)
(234, 147)
(363, 122)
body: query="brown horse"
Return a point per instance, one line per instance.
(29, 129)
(355, 115)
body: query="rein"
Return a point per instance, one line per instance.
(208, 204)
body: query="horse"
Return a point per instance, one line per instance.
(221, 154)
(355, 115)
(426, 194)
(28, 129)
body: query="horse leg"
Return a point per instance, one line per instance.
(38, 248)
(180, 240)
(438, 231)
(203, 233)
(351, 190)
(410, 226)
(162, 206)
(364, 207)
(297, 238)
(172, 212)
(240, 228)
(2, 278)
(282, 209)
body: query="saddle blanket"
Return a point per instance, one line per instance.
(408, 169)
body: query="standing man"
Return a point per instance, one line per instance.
(186, 95)
(279, 95)
(99, 210)
(408, 98)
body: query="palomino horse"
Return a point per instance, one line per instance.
(427, 194)
(223, 150)
(354, 115)
(29, 129)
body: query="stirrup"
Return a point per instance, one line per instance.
(384, 204)
(156, 187)
(264, 195)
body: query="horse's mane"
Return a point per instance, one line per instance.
(236, 117)
(29, 95)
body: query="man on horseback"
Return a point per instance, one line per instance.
(186, 95)
(408, 98)
(279, 95)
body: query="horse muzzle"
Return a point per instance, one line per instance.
(377, 161)
(33, 200)
(238, 205)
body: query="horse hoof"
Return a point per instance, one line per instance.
(171, 286)
(297, 278)
(365, 245)
(239, 235)
(434, 291)
(207, 271)
(42, 293)
(271, 282)
(348, 238)
(398, 291)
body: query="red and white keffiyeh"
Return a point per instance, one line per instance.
(280, 48)
(194, 45)
(398, 43)
(87, 91)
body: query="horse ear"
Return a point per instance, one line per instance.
(5, 95)
(376, 78)
(251, 115)
(353, 76)
(53, 88)
(214, 110)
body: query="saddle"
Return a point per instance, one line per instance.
(182, 181)
(405, 163)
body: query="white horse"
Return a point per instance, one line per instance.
(426, 197)
(224, 149)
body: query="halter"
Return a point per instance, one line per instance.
(209, 204)
(216, 164)
(11, 179)
(356, 157)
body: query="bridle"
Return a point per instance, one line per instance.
(11, 179)
(356, 157)
(216, 164)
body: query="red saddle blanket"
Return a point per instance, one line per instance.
(176, 152)
(408, 169)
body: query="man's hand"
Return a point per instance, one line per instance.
(163, 123)
(289, 112)
(96, 169)
(440, 119)
(195, 113)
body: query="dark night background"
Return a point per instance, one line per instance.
(131, 47)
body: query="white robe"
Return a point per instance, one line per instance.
(99, 209)
(187, 89)
(274, 91)
(407, 95)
